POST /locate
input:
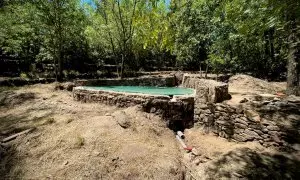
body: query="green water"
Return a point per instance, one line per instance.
(144, 90)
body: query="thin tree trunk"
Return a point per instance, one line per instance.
(200, 69)
(293, 75)
(206, 71)
(122, 67)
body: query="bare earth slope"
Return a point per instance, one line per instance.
(74, 140)
(83, 141)
(248, 84)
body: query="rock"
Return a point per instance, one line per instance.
(276, 138)
(197, 162)
(244, 100)
(122, 119)
(195, 152)
(69, 86)
(268, 144)
(259, 132)
(58, 86)
(256, 104)
(266, 102)
(268, 97)
(239, 109)
(188, 157)
(239, 138)
(202, 106)
(218, 108)
(273, 133)
(250, 135)
(153, 110)
(265, 136)
(269, 108)
(237, 175)
(206, 111)
(293, 99)
(239, 125)
(273, 128)
(252, 115)
(293, 117)
(241, 121)
(217, 115)
(238, 131)
(267, 122)
(202, 116)
(222, 122)
(296, 147)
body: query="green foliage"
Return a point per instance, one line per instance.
(232, 35)
(229, 35)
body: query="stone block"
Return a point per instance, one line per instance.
(241, 121)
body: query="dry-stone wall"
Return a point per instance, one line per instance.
(178, 114)
(207, 90)
(274, 122)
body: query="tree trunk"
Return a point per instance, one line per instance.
(122, 67)
(293, 74)
(60, 68)
(206, 70)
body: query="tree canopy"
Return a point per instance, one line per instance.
(260, 37)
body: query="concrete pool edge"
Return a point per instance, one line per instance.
(82, 88)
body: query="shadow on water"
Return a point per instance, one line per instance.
(248, 164)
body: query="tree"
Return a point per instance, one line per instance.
(19, 32)
(290, 9)
(62, 21)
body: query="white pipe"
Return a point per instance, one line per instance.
(181, 142)
(180, 134)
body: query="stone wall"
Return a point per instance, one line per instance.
(161, 81)
(207, 90)
(178, 115)
(270, 123)
(267, 119)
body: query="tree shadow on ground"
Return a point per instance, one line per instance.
(249, 164)
(11, 98)
(8, 159)
(12, 123)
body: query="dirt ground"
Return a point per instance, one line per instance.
(249, 85)
(74, 140)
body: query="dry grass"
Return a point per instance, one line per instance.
(78, 141)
